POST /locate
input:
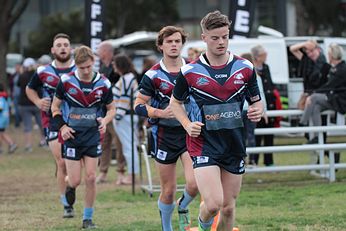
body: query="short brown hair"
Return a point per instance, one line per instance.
(168, 31)
(214, 20)
(61, 35)
(123, 63)
(82, 54)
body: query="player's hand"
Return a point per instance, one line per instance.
(254, 113)
(194, 128)
(167, 113)
(67, 132)
(102, 125)
(44, 104)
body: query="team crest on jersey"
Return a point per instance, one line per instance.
(50, 78)
(98, 94)
(72, 91)
(239, 76)
(202, 81)
(164, 86)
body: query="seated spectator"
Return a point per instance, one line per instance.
(331, 95)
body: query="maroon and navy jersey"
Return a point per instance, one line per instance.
(158, 83)
(216, 98)
(45, 81)
(85, 103)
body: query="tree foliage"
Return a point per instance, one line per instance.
(10, 11)
(123, 16)
(41, 40)
(323, 17)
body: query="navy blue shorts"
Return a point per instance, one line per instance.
(231, 163)
(50, 134)
(77, 153)
(168, 143)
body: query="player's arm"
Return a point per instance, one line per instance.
(43, 104)
(103, 121)
(256, 106)
(142, 108)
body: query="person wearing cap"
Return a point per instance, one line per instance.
(27, 109)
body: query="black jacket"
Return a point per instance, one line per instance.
(335, 88)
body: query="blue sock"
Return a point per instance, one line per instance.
(63, 200)
(185, 200)
(88, 213)
(206, 225)
(166, 211)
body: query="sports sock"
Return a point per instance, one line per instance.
(185, 200)
(166, 211)
(88, 213)
(63, 200)
(206, 225)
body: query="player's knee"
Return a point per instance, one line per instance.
(213, 206)
(228, 210)
(90, 178)
(74, 182)
(61, 164)
(168, 193)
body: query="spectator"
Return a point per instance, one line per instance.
(192, 54)
(122, 123)
(28, 108)
(44, 60)
(105, 53)
(5, 120)
(331, 95)
(250, 126)
(259, 55)
(16, 93)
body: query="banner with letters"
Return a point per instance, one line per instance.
(241, 12)
(94, 23)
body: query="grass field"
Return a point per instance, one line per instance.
(273, 201)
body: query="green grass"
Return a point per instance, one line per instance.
(269, 201)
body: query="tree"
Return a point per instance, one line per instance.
(10, 11)
(41, 40)
(123, 16)
(321, 17)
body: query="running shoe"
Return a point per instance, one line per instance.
(201, 229)
(184, 219)
(88, 224)
(68, 212)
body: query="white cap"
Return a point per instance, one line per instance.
(28, 62)
(44, 59)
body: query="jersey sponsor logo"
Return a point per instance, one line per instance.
(161, 155)
(83, 116)
(86, 90)
(164, 86)
(202, 159)
(220, 76)
(71, 152)
(237, 82)
(72, 91)
(225, 114)
(202, 81)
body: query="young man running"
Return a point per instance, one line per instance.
(217, 85)
(40, 91)
(152, 101)
(85, 94)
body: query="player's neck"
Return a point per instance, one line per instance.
(63, 64)
(173, 64)
(217, 60)
(87, 78)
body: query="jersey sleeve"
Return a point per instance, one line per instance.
(108, 97)
(146, 87)
(59, 92)
(35, 82)
(253, 93)
(181, 89)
